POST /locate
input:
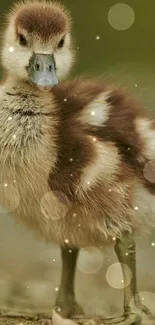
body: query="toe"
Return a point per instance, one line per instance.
(68, 309)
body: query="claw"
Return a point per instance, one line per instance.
(126, 319)
(146, 310)
(68, 309)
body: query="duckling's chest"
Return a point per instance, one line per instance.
(27, 155)
(21, 126)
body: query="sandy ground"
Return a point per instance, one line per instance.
(30, 273)
(21, 321)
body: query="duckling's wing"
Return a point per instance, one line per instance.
(111, 115)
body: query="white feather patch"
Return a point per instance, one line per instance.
(147, 133)
(97, 112)
(105, 165)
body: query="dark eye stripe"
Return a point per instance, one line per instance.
(22, 40)
(61, 43)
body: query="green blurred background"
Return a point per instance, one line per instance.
(126, 56)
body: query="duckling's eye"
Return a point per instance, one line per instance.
(61, 43)
(22, 40)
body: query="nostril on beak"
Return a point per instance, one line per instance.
(42, 71)
(37, 67)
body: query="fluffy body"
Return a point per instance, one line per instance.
(73, 177)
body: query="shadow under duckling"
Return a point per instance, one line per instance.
(73, 158)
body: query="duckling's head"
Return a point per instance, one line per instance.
(37, 43)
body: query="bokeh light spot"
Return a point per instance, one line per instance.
(121, 16)
(149, 171)
(11, 49)
(9, 198)
(90, 260)
(114, 276)
(54, 205)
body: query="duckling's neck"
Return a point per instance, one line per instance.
(17, 85)
(28, 123)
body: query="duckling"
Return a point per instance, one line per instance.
(73, 158)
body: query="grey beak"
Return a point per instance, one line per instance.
(41, 71)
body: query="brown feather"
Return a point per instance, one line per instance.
(43, 18)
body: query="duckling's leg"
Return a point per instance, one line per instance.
(65, 302)
(126, 253)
